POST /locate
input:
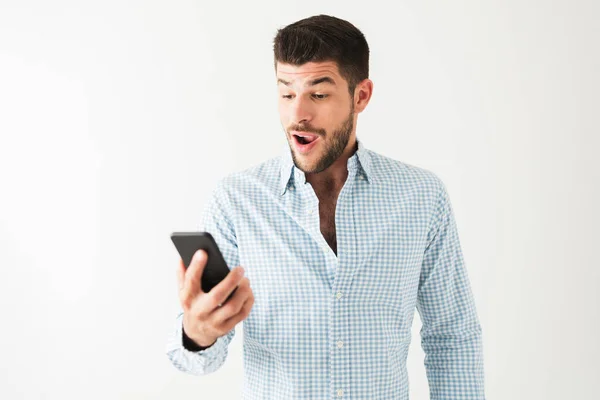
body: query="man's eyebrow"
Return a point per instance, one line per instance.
(325, 79)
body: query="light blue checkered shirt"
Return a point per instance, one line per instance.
(339, 327)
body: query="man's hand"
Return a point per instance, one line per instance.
(204, 320)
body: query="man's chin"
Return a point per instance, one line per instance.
(304, 162)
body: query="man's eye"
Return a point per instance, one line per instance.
(318, 96)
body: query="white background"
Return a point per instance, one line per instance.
(117, 118)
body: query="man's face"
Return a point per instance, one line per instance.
(314, 102)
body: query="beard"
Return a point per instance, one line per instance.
(334, 148)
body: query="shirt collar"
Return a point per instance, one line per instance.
(359, 161)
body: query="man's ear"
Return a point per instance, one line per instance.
(362, 94)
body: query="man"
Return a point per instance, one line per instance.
(341, 245)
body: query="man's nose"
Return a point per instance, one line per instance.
(301, 110)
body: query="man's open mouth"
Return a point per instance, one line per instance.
(303, 138)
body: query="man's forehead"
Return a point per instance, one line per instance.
(308, 70)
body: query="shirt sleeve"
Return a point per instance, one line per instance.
(216, 219)
(451, 335)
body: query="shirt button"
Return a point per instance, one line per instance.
(338, 295)
(340, 392)
(340, 343)
(310, 211)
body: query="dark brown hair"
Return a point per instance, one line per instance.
(325, 38)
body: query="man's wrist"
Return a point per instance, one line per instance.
(189, 344)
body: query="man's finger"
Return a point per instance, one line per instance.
(194, 273)
(227, 285)
(180, 274)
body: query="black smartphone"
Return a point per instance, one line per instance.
(187, 243)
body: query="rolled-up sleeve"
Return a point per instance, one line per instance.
(216, 219)
(451, 335)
